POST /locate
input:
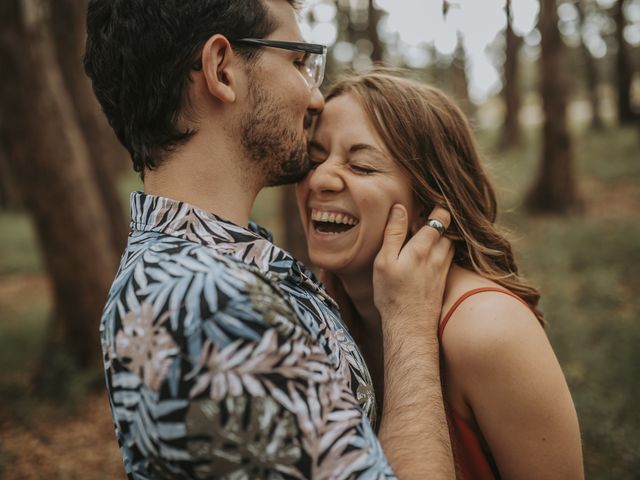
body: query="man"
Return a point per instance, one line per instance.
(225, 357)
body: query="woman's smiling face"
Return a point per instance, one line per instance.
(345, 200)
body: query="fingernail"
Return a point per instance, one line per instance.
(397, 212)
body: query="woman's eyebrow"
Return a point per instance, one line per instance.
(359, 147)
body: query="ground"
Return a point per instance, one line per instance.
(81, 446)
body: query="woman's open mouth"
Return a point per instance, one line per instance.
(332, 223)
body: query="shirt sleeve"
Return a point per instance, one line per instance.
(214, 377)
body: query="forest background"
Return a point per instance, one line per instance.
(552, 88)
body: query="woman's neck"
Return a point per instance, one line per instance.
(359, 288)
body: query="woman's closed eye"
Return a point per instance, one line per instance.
(362, 169)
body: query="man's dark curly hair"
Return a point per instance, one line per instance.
(139, 55)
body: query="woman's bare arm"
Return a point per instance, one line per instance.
(502, 361)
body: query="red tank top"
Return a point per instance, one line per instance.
(473, 461)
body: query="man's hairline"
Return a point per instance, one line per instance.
(295, 4)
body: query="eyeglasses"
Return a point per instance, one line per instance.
(311, 66)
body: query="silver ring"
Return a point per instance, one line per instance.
(437, 224)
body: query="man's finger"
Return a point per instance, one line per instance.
(426, 237)
(395, 232)
(442, 215)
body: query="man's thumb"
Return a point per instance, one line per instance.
(395, 232)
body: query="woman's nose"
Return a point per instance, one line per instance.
(326, 177)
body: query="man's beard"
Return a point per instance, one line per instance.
(272, 142)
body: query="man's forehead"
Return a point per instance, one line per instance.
(286, 20)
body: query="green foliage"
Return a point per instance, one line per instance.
(610, 155)
(587, 271)
(18, 246)
(22, 332)
(266, 211)
(130, 182)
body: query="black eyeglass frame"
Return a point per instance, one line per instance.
(295, 46)
(314, 48)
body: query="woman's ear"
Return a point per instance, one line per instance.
(220, 66)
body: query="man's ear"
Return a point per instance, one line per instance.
(220, 68)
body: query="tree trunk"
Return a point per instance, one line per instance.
(48, 158)
(459, 80)
(624, 68)
(294, 238)
(106, 156)
(372, 33)
(511, 135)
(555, 190)
(9, 198)
(590, 70)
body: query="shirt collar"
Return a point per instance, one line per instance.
(252, 245)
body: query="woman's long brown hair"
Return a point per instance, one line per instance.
(431, 140)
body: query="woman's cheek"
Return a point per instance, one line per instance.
(377, 223)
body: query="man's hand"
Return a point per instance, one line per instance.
(409, 279)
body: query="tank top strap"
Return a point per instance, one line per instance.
(452, 309)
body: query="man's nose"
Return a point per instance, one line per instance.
(316, 102)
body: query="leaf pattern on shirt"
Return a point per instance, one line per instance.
(229, 441)
(145, 347)
(225, 358)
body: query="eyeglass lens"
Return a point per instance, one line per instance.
(314, 69)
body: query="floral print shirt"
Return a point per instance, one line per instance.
(225, 358)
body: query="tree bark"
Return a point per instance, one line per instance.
(106, 156)
(624, 68)
(590, 70)
(48, 156)
(555, 190)
(9, 198)
(511, 135)
(459, 80)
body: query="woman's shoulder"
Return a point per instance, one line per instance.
(460, 282)
(465, 288)
(482, 318)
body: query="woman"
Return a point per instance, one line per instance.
(383, 140)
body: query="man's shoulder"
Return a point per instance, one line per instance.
(182, 278)
(182, 257)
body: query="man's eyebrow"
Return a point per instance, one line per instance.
(315, 145)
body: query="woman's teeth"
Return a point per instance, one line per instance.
(331, 222)
(331, 217)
